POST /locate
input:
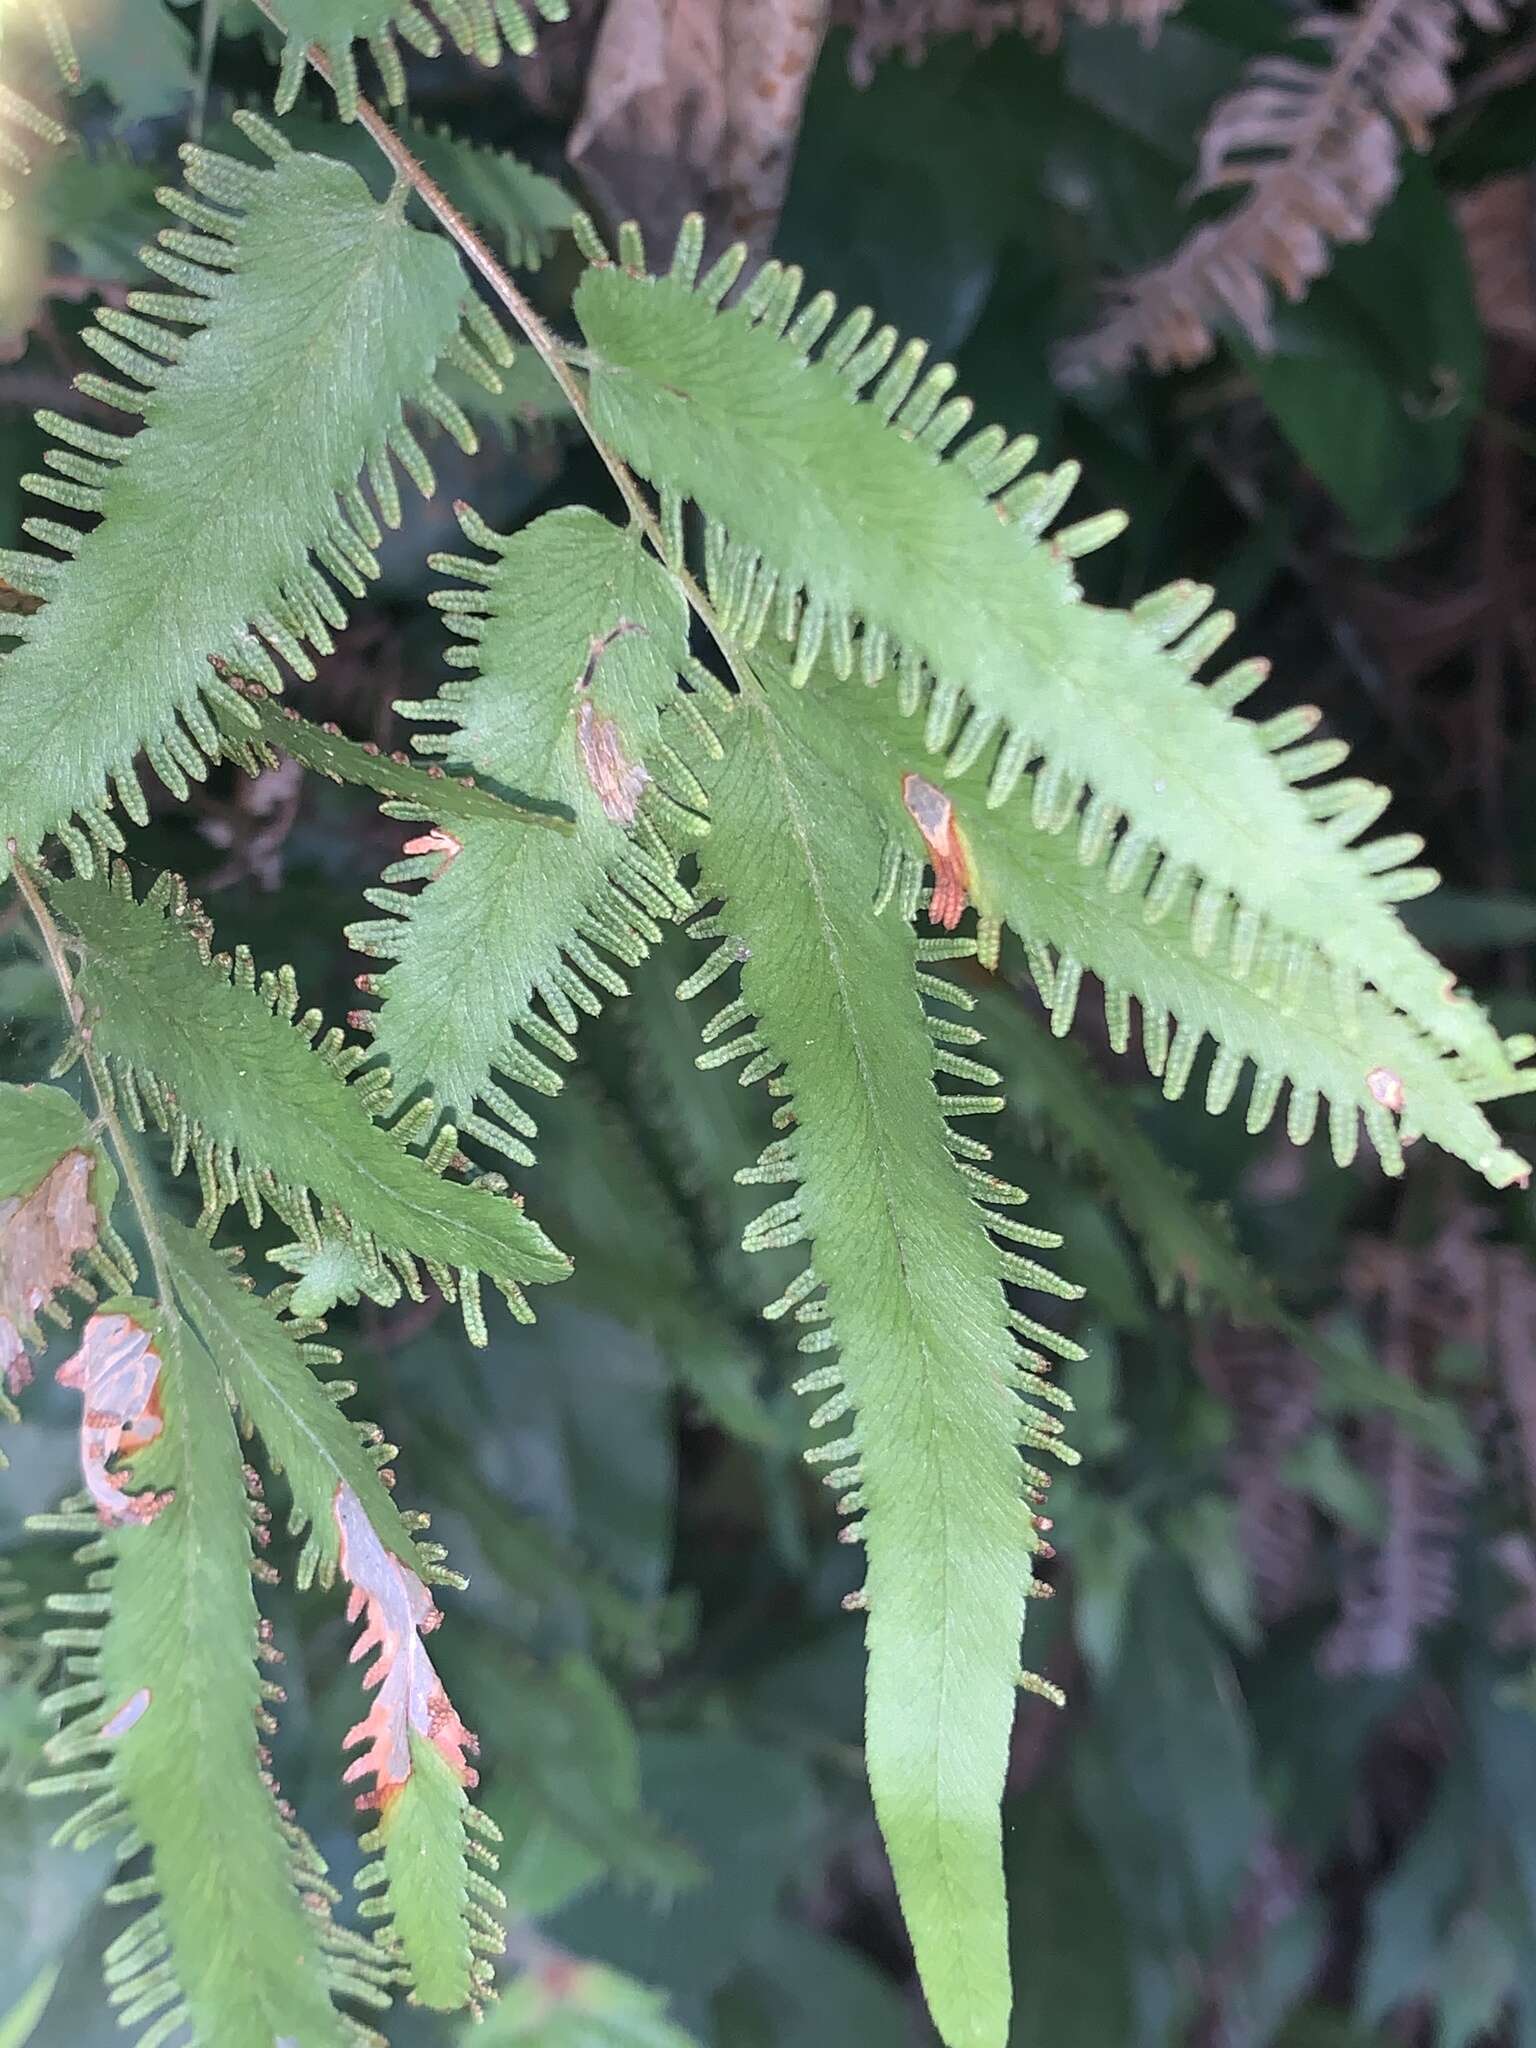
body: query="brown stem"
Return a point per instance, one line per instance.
(540, 337)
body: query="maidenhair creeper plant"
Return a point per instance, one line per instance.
(830, 699)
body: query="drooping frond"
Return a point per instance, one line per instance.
(165, 1707)
(833, 516)
(1187, 1244)
(56, 1193)
(22, 122)
(480, 28)
(260, 1102)
(574, 637)
(231, 518)
(930, 1387)
(434, 1847)
(1317, 147)
(560, 2001)
(1081, 908)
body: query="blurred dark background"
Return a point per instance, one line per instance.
(1292, 1800)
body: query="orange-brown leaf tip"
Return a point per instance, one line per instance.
(117, 1373)
(934, 815)
(397, 1610)
(41, 1233)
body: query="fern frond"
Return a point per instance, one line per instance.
(1317, 147)
(22, 121)
(575, 638)
(1263, 1001)
(258, 426)
(268, 1366)
(1188, 1245)
(260, 1102)
(930, 1389)
(418, 795)
(433, 1846)
(163, 1709)
(480, 28)
(843, 516)
(441, 1911)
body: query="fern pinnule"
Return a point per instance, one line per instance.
(22, 121)
(268, 1111)
(163, 1712)
(840, 525)
(480, 28)
(222, 544)
(1317, 148)
(574, 639)
(912, 1246)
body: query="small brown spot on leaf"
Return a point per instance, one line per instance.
(619, 782)
(1386, 1088)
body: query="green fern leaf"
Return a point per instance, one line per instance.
(843, 515)
(1285, 1017)
(907, 1282)
(479, 28)
(576, 637)
(164, 1705)
(433, 1844)
(1054, 1089)
(256, 432)
(562, 2002)
(268, 1119)
(417, 795)
(268, 1368)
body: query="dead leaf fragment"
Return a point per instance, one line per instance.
(694, 106)
(619, 782)
(117, 1373)
(408, 1694)
(41, 1234)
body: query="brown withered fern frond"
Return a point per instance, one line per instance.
(884, 28)
(1318, 148)
(1392, 1591)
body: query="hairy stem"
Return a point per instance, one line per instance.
(127, 1157)
(541, 338)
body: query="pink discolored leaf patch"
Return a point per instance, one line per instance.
(117, 1372)
(619, 782)
(408, 1694)
(41, 1234)
(934, 816)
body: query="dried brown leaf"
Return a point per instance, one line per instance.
(1269, 1387)
(694, 106)
(41, 1235)
(884, 28)
(1317, 148)
(1498, 226)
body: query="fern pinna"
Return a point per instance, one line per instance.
(902, 754)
